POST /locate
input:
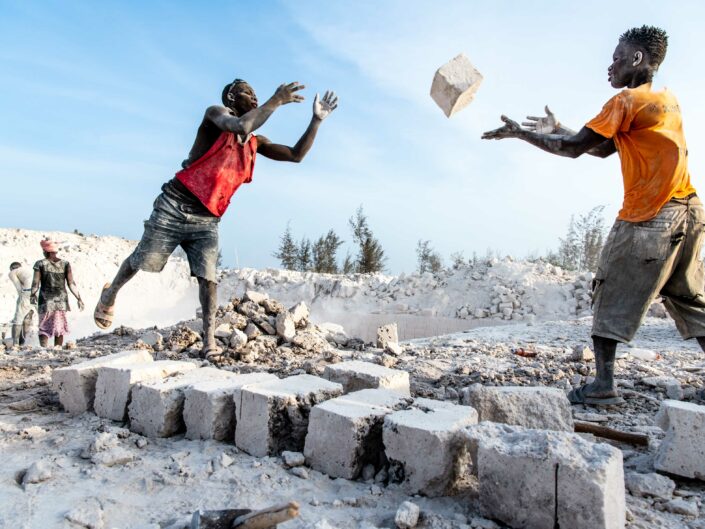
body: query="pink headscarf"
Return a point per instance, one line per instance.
(48, 246)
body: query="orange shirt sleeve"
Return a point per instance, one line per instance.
(614, 117)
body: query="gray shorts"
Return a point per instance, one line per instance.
(169, 226)
(642, 260)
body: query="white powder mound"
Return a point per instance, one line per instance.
(149, 299)
(486, 293)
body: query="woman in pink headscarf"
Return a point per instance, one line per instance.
(53, 274)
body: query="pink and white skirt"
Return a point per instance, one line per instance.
(53, 324)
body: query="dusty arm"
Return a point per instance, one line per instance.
(72, 286)
(561, 145)
(550, 125)
(282, 153)
(256, 117)
(35, 287)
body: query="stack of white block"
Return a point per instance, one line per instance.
(273, 416)
(345, 433)
(426, 447)
(76, 384)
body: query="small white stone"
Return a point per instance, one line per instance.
(256, 297)
(407, 515)
(299, 472)
(684, 507)
(237, 339)
(37, 472)
(285, 326)
(293, 459)
(650, 485)
(300, 313)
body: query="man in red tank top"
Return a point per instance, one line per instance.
(189, 208)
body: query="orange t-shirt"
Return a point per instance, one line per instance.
(647, 130)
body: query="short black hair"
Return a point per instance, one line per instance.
(227, 88)
(654, 41)
(14, 265)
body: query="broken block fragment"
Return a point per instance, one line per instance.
(536, 479)
(531, 407)
(345, 433)
(273, 416)
(682, 451)
(113, 387)
(209, 409)
(356, 375)
(156, 409)
(75, 384)
(455, 84)
(425, 445)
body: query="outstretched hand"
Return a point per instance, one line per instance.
(286, 93)
(322, 108)
(511, 129)
(543, 125)
(81, 305)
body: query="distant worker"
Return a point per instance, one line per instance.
(51, 276)
(655, 244)
(21, 277)
(188, 210)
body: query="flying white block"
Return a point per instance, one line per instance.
(455, 84)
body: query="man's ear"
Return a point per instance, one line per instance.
(638, 57)
(230, 96)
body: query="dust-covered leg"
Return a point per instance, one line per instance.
(109, 294)
(602, 391)
(207, 294)
(17, 335)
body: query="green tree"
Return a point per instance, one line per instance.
(370, 256)
(325, 251)
(303, 256)
(288, 251)
(428, 259)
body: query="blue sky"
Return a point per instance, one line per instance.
(101, 100)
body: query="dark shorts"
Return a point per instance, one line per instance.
(643, 260)
(171, 225)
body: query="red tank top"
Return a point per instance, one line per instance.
(216, 175)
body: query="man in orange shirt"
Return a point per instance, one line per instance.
(654, 246)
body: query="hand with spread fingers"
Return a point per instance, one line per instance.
(287, 93)
(322, 108)
(511, 129)
(543, 125)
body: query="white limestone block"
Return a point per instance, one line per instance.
(425, 445)
(345, 433)
(300, 313)
(75, 384)
(682, 451)
(286, 329)
(407, 515)
(273, 416)
(256, 297)
(114, 384)
(356, 375)
(527, 477)
(455, 84)
(531, 407)
(209, 409)
(387, 333)
(156, 409)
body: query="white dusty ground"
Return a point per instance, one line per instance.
(161, 483)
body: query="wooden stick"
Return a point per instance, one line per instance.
(266, 518)
(638, 439)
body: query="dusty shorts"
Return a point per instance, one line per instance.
(642, 260)
(22, 308)
(171, 225)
